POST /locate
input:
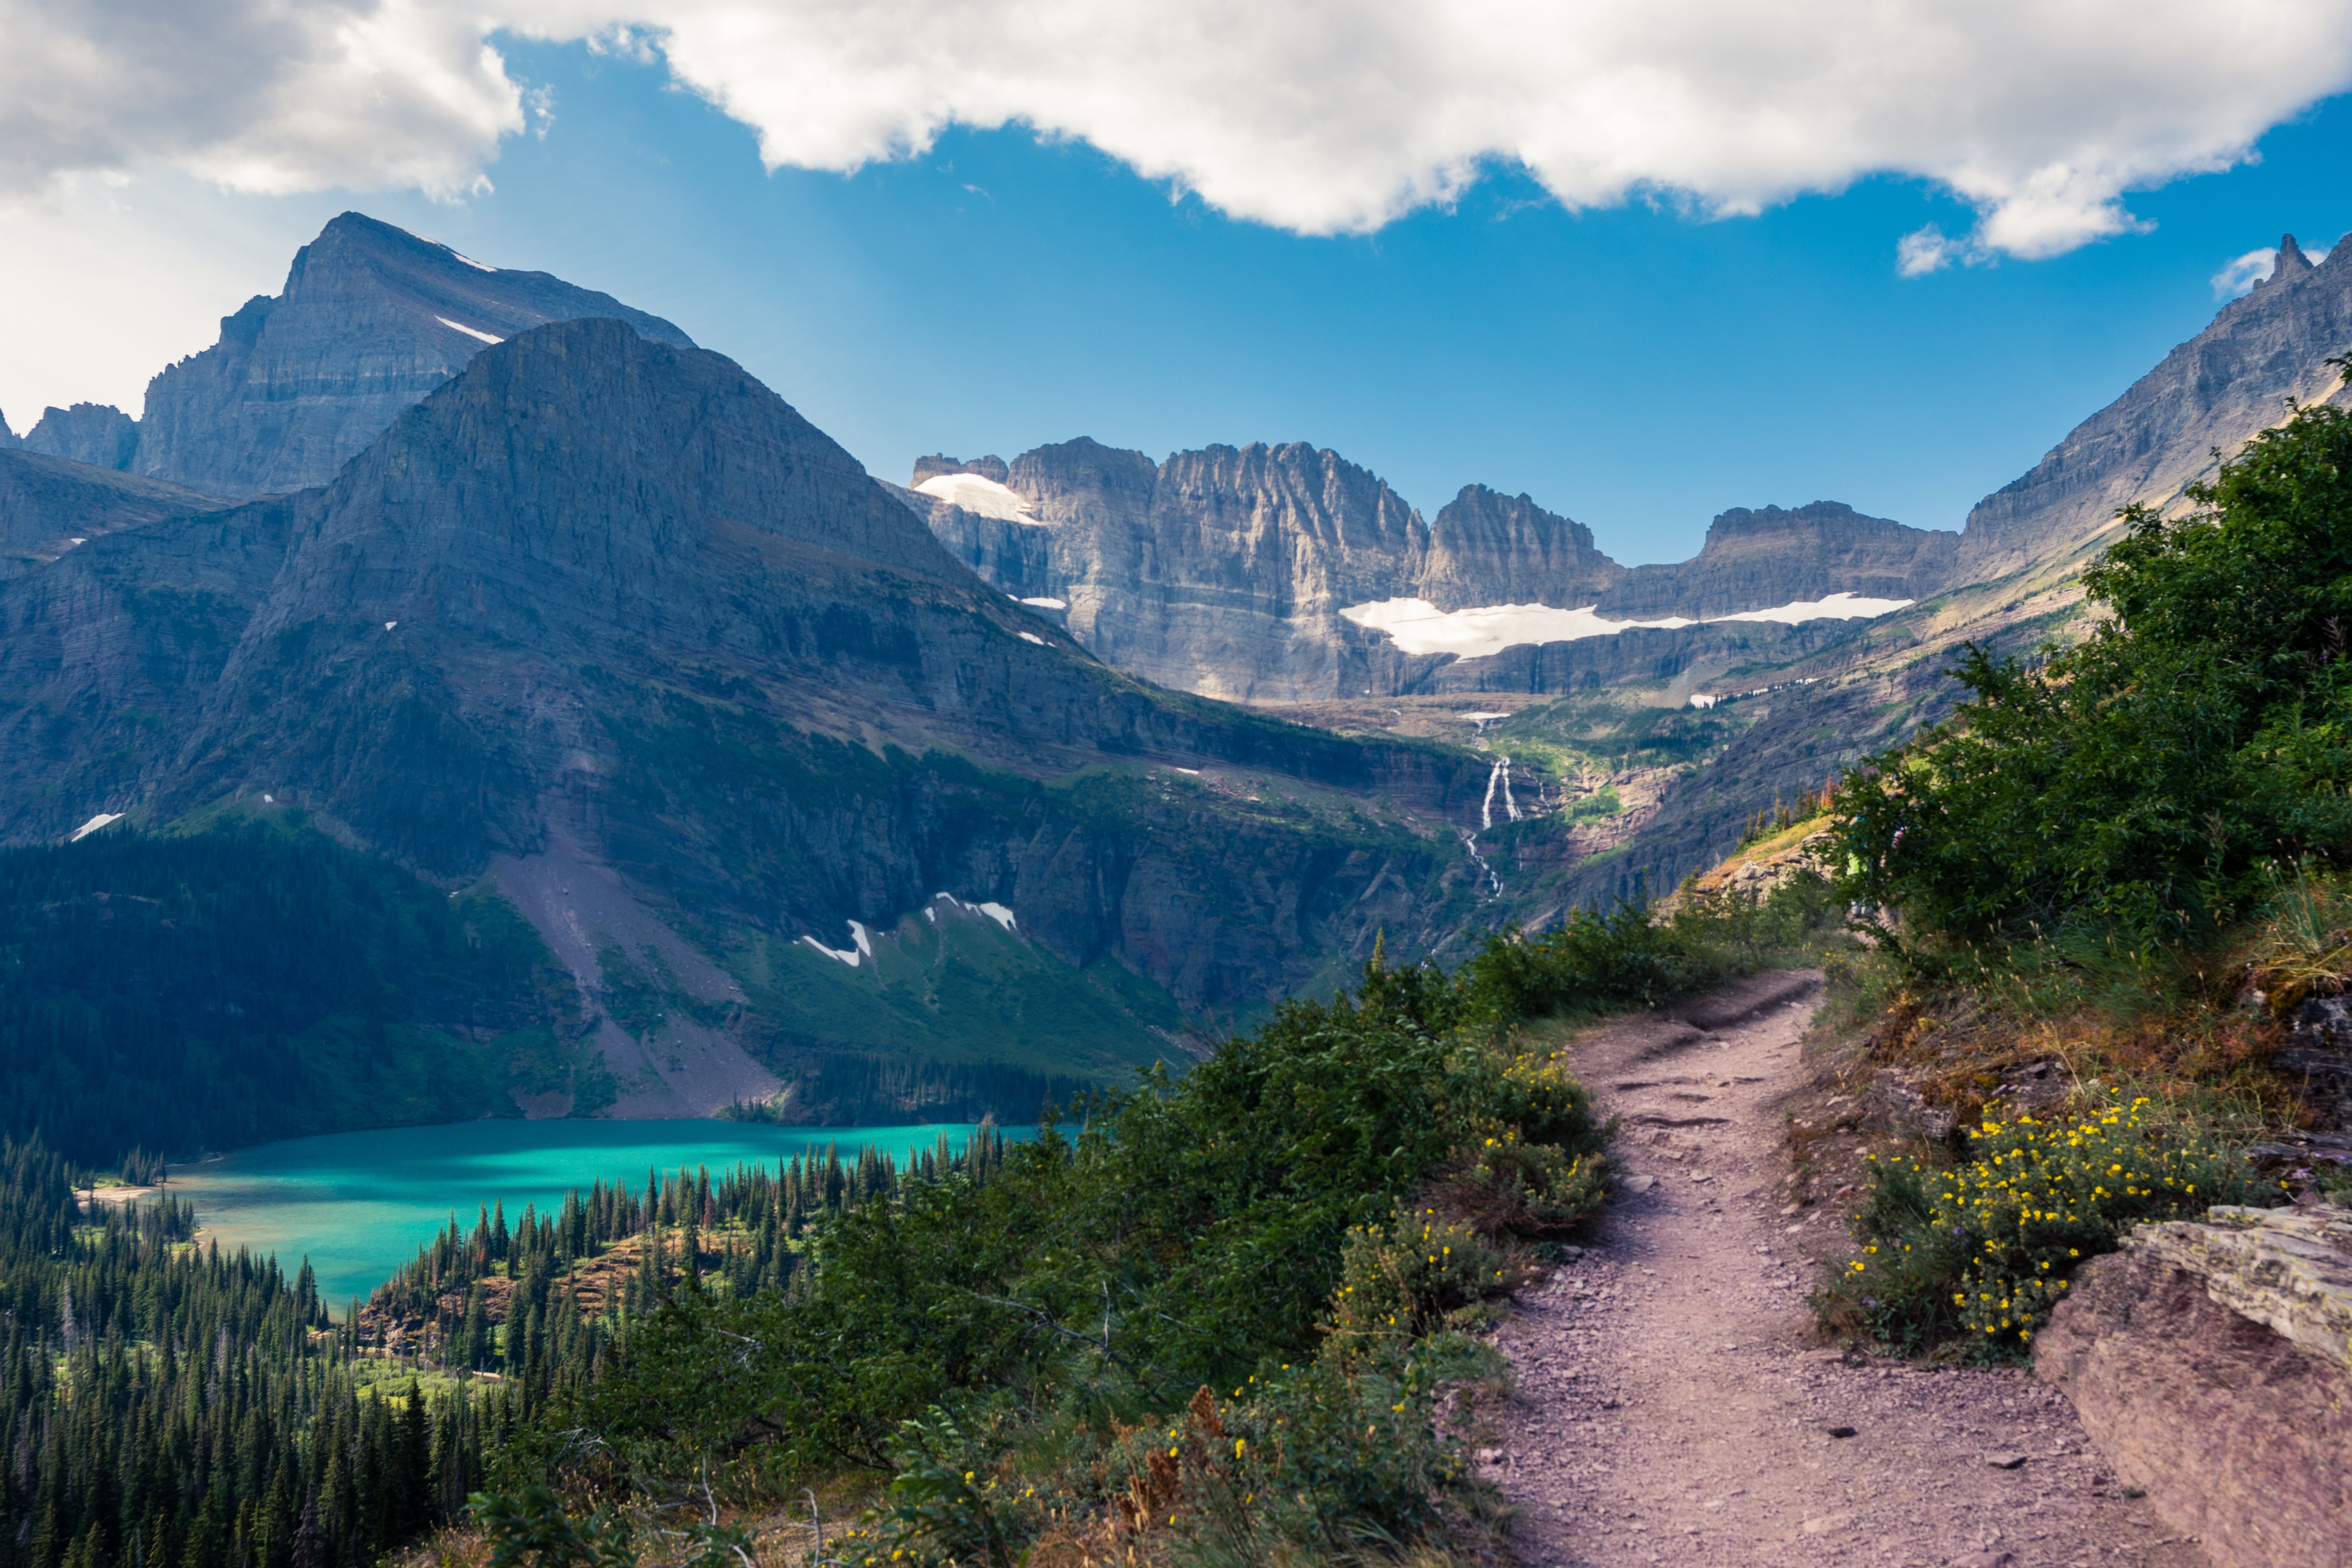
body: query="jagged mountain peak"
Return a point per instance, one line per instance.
(1487, 548)
(97, 434)
(2291, 262)
(371, 319)
(940, 466)
(2213, 392)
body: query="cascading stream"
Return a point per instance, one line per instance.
(1499, 779)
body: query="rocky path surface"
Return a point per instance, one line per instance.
(1674, 1404)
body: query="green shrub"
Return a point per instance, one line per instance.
(1983, 1248)
(1404, 1280)
(2143, 778)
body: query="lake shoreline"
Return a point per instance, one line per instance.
(357, 1205)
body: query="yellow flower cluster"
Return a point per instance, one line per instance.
(2037, 1196)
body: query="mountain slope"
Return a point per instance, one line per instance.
(48, 505)
(2214, 391)
(605, 620)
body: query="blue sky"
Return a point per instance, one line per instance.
(1635, 366)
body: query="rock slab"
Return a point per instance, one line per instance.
(2240, 1434)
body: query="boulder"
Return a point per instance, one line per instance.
(2208, 1363)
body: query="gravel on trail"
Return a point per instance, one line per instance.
(1674, 1403)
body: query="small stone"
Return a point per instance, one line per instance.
(1986, 1560)
(1640, 1184)
(1840, 1431)
(1826, 1523)
(2005, 1461)
(1792, 1209)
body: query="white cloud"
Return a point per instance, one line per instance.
(1930, 249)
(264, 96)
(1321, 116)
(2243, 274)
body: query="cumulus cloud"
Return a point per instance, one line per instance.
(267, 95)
(1319, 116)
(2243, 272)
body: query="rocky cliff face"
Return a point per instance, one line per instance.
(97, 434)
(604, 607)
(1226, 571)
(373, 318)
(48, 505)
(1487, 548)
(1755, 560)
(2214, 391)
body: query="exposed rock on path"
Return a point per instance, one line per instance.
(1674, 1404)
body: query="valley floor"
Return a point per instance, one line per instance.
(1675, 1405)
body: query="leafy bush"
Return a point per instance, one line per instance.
(1404, 1280)
(1983, 1248)
(2143, 778)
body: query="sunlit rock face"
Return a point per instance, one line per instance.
(1288, 573)
(372, 320)
(2216, 390)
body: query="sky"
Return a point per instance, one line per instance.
(1642, 270)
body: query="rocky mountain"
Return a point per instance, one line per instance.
(371, 319)
(1800, 715)
(95, 433)
(49, 505)
(604, 620)
(1755, 559)
(1286, 573)
(2213, 392)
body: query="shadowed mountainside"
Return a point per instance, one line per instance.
(605, 619)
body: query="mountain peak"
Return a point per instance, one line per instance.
(2291, 263)
(938, 465)
(97, 434)
(372, 318)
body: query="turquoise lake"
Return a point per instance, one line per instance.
(358, 1205)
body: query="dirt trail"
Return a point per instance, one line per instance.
(1674, 1404)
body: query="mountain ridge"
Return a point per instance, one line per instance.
(1226, 571)
(605, 617)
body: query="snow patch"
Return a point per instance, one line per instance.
(974, 494)
(93, 825)
(470, 261)
(1836, 607)
(1703, 699)
(79, 538)
(1418, 627)
(1032, 636)
(847, 955)
(470, 332)
(389, 625)
(858, 934)
(1048, 604)
(996, 913)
